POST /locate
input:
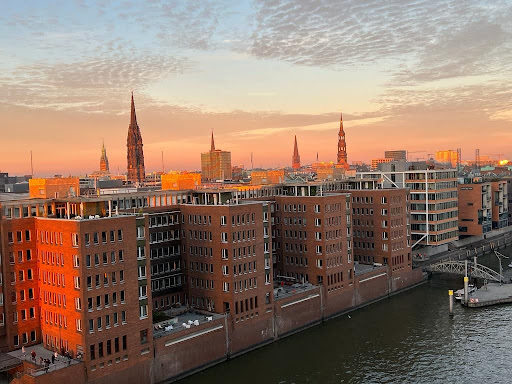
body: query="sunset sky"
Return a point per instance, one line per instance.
(422, 75)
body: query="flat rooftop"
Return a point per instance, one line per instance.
(4, 196)
(175, 324)
(361, 269)
(286, 291)
(60, 363)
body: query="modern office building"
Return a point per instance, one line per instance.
(433, 198)
(449, 156)
(215, 164)
(396, 155)
(381, 227)
(475, 208)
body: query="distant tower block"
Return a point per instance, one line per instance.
(135, 154)
(104, 168)
(296, 156)
(342, 147)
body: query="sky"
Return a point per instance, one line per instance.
(421, 75)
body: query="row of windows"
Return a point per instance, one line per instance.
(170, 266)
(162, 283)
(362, 199)
(54, 278)
(245, 284)
(201, 267)
(51, 258)
(104, 300)
(110, 319)
(158, 237)
(22, 256)
(49, 237)
(365, 223)
(54, 318)
(168, 301)
(240, 269)
(19, 236)
(196, 282)
(21, 276)
(364, 245)
(295, 260)
(202, 302)
(104, 259)
(105, 279)
(110, 235)
(163, 220)
(24, 315)
(171, 250)
(52, 298)
(25, 338)
(238, 219)
(335, 278)
(106, 348)
(246, 305)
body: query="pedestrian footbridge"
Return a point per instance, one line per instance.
(456, 267)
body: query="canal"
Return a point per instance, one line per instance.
(409, 338)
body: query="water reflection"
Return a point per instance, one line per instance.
(409, 338)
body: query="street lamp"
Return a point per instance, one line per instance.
(500, 256)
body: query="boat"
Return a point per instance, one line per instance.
(459, 294)
(510, 265)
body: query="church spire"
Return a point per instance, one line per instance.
(135, 154)
(296, 156)
(342, 146)
(212, 144)
(104, 167)
(133, 117)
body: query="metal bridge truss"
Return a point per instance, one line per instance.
(459, 268)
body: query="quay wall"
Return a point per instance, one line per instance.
(184, 353)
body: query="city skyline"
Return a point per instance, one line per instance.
(419, 73)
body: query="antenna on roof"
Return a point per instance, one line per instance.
(31, 165)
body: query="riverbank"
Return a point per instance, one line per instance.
(409, 338)
(179, 355)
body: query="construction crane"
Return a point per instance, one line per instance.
(499, 155)
(408, 152)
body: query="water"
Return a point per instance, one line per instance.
(409, 338)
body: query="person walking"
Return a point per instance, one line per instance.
(33, 354)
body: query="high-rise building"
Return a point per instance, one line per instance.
(104, 167)
(449, 156)
(296, 156)
(342, 146)
(178, 181)
(433, 198)
(396, 155)
(135, 154)
(376, 162)
(381, 227)
(215, 164)
(475, 208)
(314, 239)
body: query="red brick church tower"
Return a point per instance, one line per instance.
(342, 147)
(296, 156)
(136, 171)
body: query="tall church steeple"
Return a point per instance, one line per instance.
(296, 156)
(342, 146)
(104, 167)
(212, 146)
(135, 154)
